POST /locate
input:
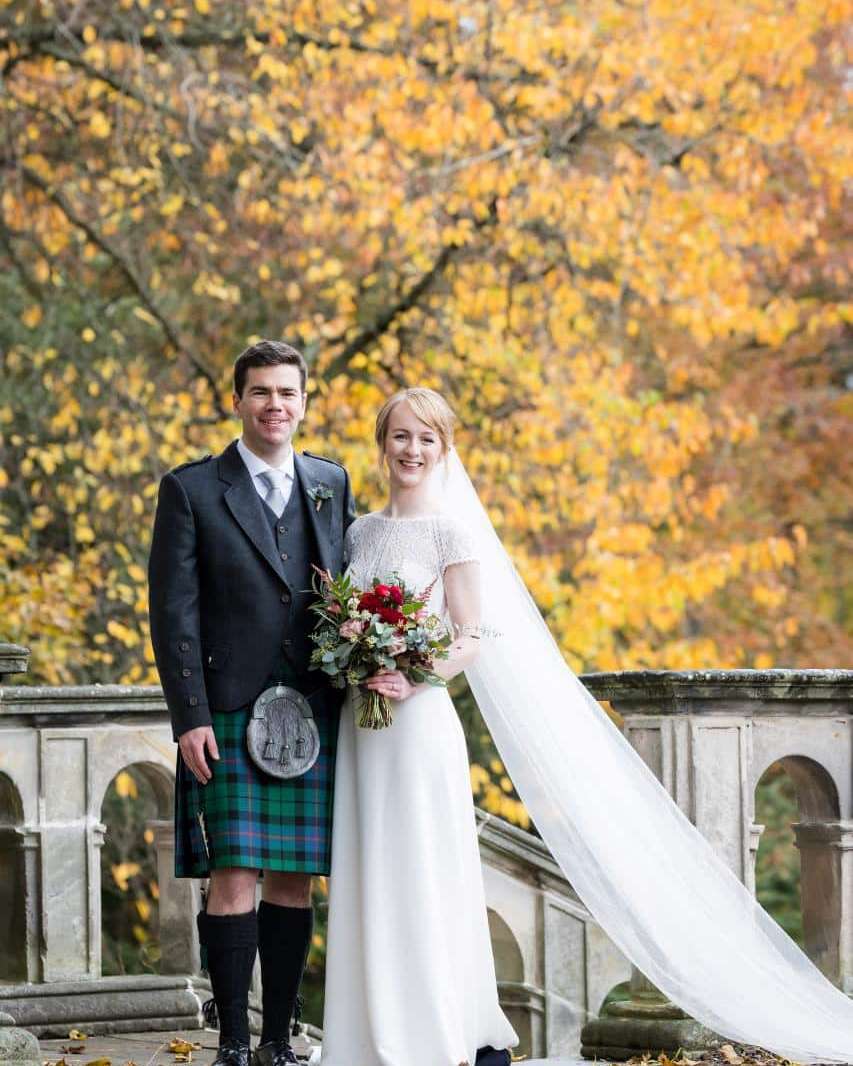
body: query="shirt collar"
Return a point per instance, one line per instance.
(255, 465)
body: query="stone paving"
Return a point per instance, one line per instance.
(153, 1049)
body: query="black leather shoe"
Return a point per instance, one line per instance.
(274, 1053)
(487, 1056)
(232, 1053)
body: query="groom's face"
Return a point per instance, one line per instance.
(271, 407)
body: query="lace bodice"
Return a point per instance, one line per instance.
(418, 550)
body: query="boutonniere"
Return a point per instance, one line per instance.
(319, 493)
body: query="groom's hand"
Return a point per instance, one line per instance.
(192, 745)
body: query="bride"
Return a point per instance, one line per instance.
(409, 972)
(410, 979)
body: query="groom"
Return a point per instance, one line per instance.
(230, 586)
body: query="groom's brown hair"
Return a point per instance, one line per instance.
(268, 353)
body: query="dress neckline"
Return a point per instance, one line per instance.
(405, 518)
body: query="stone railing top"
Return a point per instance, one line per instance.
(680, 691)
(81, 702)
(14, 659)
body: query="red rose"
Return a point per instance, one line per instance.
(370, 602)
(382, 590)
(396, 594)
(390, 614)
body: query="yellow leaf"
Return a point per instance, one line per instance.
(122, 872)
(99, 125)
(182, 1047)
(125, 785)
(32, 316)
(146, 316)
(88, 334)
(90, 35)
(202, 7)
(75, 1034)
(172, 205)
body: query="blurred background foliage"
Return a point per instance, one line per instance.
(612, 234)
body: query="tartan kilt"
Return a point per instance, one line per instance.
(253, 820)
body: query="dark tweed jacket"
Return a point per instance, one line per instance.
(220, 604)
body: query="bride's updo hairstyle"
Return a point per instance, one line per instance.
(429, 406)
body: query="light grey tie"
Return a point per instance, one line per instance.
(274, 498)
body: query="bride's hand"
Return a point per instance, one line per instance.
(390, 683)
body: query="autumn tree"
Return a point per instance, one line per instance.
(612, 235)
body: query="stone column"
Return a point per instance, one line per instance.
(180, 900)
(698, 732)
(827, 897)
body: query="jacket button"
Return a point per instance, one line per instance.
(282, 529)
(193, 701)
(285, 597)
(186, 673)
(184, 646)
(284, 555)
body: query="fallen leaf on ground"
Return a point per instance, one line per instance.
(99, 1062)
(73, 1049)
(182, 1047)
(730, 1055)
(75, 1034)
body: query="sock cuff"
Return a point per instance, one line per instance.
(237, 929)
(274, 917)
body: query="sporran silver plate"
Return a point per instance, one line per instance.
(282, 735)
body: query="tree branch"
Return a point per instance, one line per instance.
(130, 275)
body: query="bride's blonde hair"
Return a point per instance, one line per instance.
(428, 405)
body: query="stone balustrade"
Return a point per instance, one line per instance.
(708, 736)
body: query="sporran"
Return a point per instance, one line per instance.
(282, 735)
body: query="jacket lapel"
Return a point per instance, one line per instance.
(245, 505)
(319, 520)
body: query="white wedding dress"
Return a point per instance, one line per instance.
(410, 978)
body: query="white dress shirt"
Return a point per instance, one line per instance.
(257, 466)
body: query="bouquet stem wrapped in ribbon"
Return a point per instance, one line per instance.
(362, 632)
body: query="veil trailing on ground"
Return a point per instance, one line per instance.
(647, 875)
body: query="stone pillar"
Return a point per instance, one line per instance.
(180, 900)
(13, 660)
(698, 732)
(70, 860)
(827, 897)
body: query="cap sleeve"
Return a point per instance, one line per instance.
(457, 543)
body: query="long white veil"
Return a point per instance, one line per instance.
(647, 875)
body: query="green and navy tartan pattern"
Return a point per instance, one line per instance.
(244, 817)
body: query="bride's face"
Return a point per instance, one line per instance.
(412, 448)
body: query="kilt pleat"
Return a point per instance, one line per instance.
(244, 817)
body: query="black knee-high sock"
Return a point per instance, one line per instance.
(284, 938)
(231, 941)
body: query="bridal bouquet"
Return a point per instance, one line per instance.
(385, 627)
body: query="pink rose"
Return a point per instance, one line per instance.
(352, 628)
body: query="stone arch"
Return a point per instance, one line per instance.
(816, 832)
(13, 926)
(136, 907)
(509, 962)
(155, 776)
(817, 790)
